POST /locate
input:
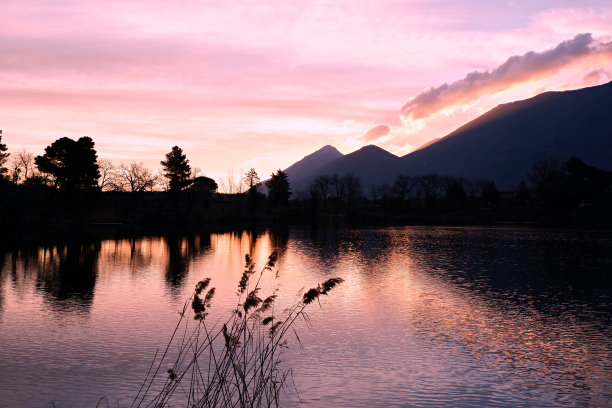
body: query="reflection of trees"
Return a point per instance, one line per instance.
(68, 274)
(279, 238)
(65, 274)
(181, 250)
(2, 280)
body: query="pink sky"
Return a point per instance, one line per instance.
(261, 84)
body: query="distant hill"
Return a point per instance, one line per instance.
(371, 164)
(502, 145)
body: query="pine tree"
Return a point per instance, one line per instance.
(177, 169)
(278, 188)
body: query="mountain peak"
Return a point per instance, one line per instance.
(371, 150)
(313, 161)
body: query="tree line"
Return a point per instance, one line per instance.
(73, 165)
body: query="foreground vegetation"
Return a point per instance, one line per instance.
(234, 361)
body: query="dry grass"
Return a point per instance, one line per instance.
(233, 363)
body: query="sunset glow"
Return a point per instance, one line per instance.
(261, 84)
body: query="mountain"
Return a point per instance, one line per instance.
(371, 164)
(504, 143)
(301, 169)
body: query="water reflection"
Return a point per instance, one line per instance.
(425, 317)
(65, 274)
(180, 253)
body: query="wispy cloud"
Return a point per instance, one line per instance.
(376, 133)
(516, 69)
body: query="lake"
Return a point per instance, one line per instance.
(426, 316)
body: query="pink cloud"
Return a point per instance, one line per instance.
(376, 133)
(515, 70)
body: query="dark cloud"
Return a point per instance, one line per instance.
(516, 69)
(375, 133)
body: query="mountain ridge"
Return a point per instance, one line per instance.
(501, 145)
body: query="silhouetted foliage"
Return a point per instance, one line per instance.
(490, 195)
(133, 177)
(278, 188)
(522, 193)
(3, 157)
(321, 186)
(176, 169)
(455, 194)
(351, 187)
(204, 184)
(585, 184)
(71, 164)
(403, 188)
(251, 180)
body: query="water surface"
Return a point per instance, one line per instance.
(496, 317)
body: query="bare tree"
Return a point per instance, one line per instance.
(134, 177)
(351, 187)
(22, 166)
(108, 174)
(323, 185)
(231, 185)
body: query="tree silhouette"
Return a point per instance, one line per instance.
(278, 188)
(490, 195)
(133, 177)
(72, 164)
(176, 169)
(322, 185)
(204, 184)
(3, 157)
(251, 179)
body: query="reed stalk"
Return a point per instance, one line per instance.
(232, 363)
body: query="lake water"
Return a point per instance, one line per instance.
(426, 317)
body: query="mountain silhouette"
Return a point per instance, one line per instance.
(501, 145)
(311, 163)
(371, 164)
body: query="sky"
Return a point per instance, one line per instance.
(260, 84)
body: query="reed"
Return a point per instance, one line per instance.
(234, 362)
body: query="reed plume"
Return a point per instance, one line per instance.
(236, 363)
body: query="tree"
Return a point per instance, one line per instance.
(351, 188)
(455, 194)
(251, 179)
(133, 177)
(204, 184)
(3, 157)
(107, 175)
(22, 166)
(176, 169)
(490, 195)
(323, 185)
(403, 188)
(278, 188)
(72, 164)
